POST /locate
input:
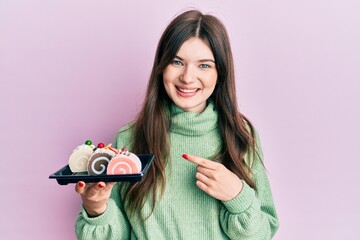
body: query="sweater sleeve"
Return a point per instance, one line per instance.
(251, 214)
(112, 224)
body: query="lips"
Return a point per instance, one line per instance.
(187, 90)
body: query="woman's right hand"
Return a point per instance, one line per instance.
(94, 196)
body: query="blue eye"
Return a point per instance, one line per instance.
(204, 65)
(176, 62)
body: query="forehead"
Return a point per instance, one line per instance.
(195, 49)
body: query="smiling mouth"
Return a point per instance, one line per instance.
(185, 90)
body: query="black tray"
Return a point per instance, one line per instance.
(65, 176)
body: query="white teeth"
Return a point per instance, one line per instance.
(188, 90)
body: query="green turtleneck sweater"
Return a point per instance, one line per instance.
(185, 211)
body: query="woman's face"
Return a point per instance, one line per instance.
(191, 76)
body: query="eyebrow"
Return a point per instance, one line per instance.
(201, 60)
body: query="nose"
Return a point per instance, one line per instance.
(188, 75)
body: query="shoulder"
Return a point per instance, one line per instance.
(124, 135)
(251, 129)
(254, 155)
(126, 128)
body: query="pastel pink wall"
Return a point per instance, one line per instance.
(73, 70)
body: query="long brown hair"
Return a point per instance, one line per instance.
(152, 123)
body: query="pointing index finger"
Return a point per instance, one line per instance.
(200, 161)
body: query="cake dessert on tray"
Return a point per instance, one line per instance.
(103, 163)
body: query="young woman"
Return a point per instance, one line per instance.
(207, 180)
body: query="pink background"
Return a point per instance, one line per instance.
(73, 70)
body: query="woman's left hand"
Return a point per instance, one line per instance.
(215, 179)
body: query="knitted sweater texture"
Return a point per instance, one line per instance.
(185, 211)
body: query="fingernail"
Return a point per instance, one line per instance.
(81, 184)
(100, 185)
(185, 156)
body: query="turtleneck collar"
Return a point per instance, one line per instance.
(192, 123)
